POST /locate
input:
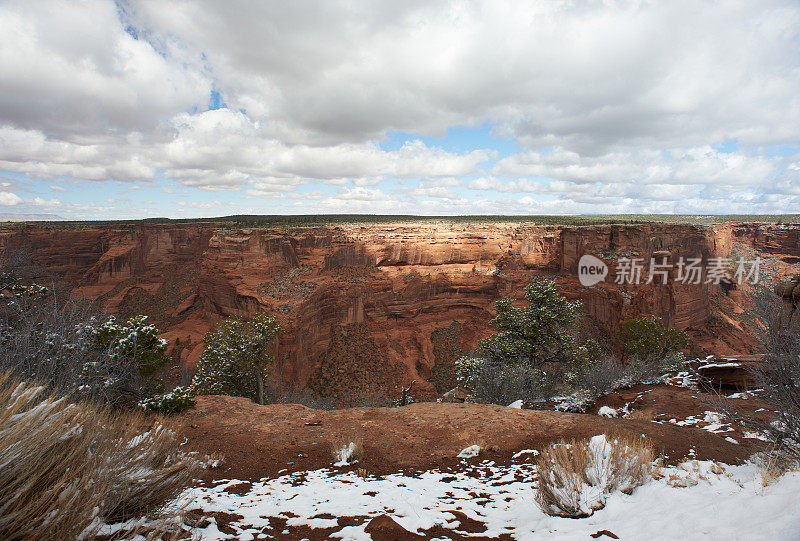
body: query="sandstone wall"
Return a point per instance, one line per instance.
(400, 281)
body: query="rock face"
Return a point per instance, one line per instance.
(377, 292)
(789, 292)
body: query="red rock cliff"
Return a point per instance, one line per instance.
(388, 286)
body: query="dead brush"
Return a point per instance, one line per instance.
(576, 476)
(773, 464)
(146, 468)
(65, 468)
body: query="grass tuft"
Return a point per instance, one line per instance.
(575, 477)
(65, 468)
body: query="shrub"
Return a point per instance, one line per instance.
(654, 348)
(174, 401)
(237, 358)
(576, 477)
(134, 340)
(65, 466)
(534, 353)
(69, 345)
(602, 376)
(490, 383)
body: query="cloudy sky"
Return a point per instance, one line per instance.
(176, 108)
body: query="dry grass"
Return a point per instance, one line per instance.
(773, 464)
(66, 467)
(640, 415)
(575, 477)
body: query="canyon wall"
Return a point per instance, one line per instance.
(373, 295)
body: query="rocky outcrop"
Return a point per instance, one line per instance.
(789, 292)
(781, 239)
(399, 283)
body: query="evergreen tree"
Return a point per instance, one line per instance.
(237, 358)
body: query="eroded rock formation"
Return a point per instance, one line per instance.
(391, 286)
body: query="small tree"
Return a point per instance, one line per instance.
(534, 352)
(135, 340)
(652, 346)
(237, 358)
(539, 334)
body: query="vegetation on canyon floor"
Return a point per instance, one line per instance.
(535, 355)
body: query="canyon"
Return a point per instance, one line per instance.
(379, 306)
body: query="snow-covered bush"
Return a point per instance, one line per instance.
(576, 477)
(134, 340)
(348, 452)
(174, 401)
(64, 467)
(237, 358)
(67, 344)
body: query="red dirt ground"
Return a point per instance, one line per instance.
(263, 441)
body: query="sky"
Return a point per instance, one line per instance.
(181, 109)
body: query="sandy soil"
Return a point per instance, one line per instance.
(262, 441)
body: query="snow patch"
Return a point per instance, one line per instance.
(606, 411)
(506, 505)
(470, 452)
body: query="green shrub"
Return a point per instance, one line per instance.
(237, 358)
(174, 401)
(651, 345)
(534, 353)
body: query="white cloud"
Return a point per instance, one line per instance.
(41, 202)
(360, 194)
(496, 184)
(699, 165)
(585, 74)
(8, 198)
(614, 105)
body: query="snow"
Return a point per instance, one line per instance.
(720, 365)
(713, 422)
(516, 404)
(533, 452)
(606, 411)
(696, 500)
(469, 452)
